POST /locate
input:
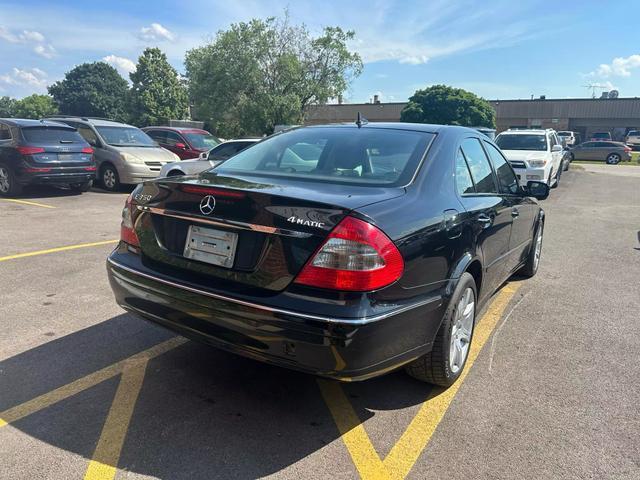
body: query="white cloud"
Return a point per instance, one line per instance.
(45, 50)
(33, 77)
(619, 67)
(414, 60)
(31, 36)
(122, 64)
(155, 33)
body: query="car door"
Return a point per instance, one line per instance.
(523, 209)
(489, 211)
(555, 156)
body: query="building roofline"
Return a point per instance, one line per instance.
(562, 99)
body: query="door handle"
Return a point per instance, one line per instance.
(515, 212)
(484, 219)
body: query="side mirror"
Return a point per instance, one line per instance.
(203, 156)
(556, 148)
(181, 146)
(539, 190)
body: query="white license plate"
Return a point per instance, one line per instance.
(209, 245)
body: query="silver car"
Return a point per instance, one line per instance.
(610, 152)
(124, 154)
(207, 160)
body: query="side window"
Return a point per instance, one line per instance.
(173, 138)
(552, 140)
(89, 135)
(158, 135)
(479, 166)
(5, 133)
(506, 178)
(224, 152)
(464, 184)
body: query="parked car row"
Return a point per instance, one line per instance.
(75, 151)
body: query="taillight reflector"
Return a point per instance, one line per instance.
(216, 192)
(127, 230)
(26, 150)
(356, 256)
(88, 150)
(37, 170)
(90, 169)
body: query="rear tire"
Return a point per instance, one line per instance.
(530, 268)
(81, 187)
(558, 175)
(445, 362)
(566, 164)
(613, 159)
(109, 178)
(9, 186)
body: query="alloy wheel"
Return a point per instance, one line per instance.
(5, 184)
(538, 249)
(461, 330)
(109, 178)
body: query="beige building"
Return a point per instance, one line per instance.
(584, 115)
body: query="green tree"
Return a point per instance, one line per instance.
(35, 106)
(259, 74)
(157, 94)
(7, 107)
(445, 105)
(92, 89)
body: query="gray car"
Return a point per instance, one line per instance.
(124, 154)
(610, 152)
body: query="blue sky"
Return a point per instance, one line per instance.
(497, 49)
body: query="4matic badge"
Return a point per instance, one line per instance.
(306, 223)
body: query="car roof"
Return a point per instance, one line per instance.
(240, 140)
(26, 122)
(531, 131)
(176, 129)
(420, 127)
(97, 122)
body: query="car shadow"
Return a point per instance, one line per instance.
(200, 412)
(46, 191)
(638, 248)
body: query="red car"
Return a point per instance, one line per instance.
(184, 142)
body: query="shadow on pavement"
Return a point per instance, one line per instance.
(201, 412)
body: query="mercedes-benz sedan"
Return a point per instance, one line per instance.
(344, 251)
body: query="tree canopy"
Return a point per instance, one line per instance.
(35, 106)
(441, 104)
(157, 93)
(259, 74)
(92, 89)
(7, 107)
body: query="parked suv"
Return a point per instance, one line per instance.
(633, 138)
(570, 138)
(184, 142)
(124, 153)
(41, 152)
(533, 154)
(600, 137)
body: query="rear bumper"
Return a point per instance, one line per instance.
(342, 348)
(526, 174)
(56, 177)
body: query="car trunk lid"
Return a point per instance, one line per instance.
(239, 232)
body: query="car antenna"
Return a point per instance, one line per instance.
(361, 120)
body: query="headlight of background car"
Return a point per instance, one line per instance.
(537, 163)
(127, 157)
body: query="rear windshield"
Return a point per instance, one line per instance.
(125, 137)
(522, 142)
(202, 141)
(634, 133)
(364, 156)
(564, 134)
(51, 135)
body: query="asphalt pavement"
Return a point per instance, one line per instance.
(87, 390)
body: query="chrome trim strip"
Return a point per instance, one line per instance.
(304, 316)
(219, 222)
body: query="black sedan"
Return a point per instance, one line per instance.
(373, 250)
(36, 152)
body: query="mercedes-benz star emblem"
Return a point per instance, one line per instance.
(207, 204)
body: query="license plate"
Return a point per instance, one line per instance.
(66, 157)
(209, 245)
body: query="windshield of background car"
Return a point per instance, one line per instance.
(51, 135)
(202, 141)
(125, 137)
(365, 156)
(522, 142)
(634, 133)
(600, 135)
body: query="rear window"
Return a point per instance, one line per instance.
(634, 133)
(366, 156)
(522, 142)
(601, 135)
(51, 135)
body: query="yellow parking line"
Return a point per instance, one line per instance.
(54, 250)
(47, 399)
(24, 202)
(416, 437)
(103, 465)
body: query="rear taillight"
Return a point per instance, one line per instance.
(88, 150)
(37, 170)
(627, 149)
(356, 256)
(25, 150)
(90, 169)
(127, 231)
